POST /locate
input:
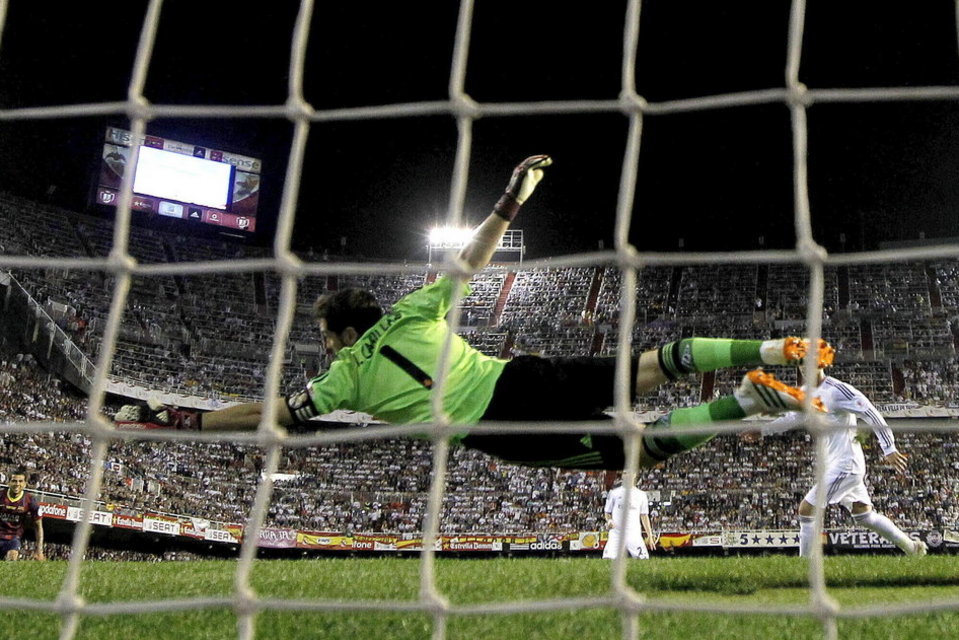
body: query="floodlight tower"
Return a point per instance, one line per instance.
(441, 239)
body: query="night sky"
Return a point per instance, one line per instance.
(717, 179)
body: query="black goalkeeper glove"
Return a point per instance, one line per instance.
(526, 176)
(134, 417)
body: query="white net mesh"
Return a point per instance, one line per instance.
(465, 111)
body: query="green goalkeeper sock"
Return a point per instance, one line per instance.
(663, 446)
(690, 355)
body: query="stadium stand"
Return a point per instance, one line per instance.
(894, 327)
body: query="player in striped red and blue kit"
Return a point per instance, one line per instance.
(17, 508)
(845, 474)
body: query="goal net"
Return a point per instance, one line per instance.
(291, 273)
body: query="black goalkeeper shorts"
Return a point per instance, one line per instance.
(538, 390)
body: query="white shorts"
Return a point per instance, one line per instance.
(841, 488)
(635, 546)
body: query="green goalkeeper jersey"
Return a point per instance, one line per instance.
(389, 372)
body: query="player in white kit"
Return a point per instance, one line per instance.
(845, 463)
(622, 520)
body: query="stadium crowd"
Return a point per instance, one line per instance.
(209, 337)
(382, 486)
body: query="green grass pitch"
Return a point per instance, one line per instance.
(752, 582)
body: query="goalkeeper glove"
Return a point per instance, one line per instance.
(526, 176)
(134, 417)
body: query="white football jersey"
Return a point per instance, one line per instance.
(616, 505)
(845, 404)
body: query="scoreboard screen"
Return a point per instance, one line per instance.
(181, 180)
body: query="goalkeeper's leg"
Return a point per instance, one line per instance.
(759, 392)
(692, 355)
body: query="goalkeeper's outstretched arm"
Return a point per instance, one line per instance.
(526, 176)
(242, 417)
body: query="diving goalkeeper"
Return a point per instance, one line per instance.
(385, 364)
